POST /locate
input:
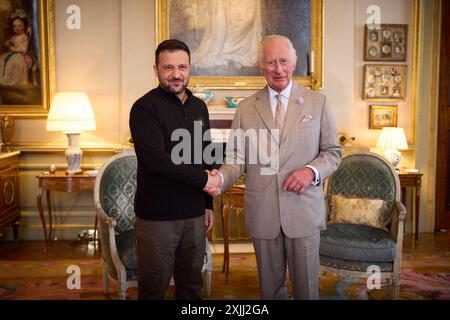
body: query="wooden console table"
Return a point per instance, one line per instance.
(60, 181)
(412, 180)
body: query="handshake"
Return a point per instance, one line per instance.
(214, 184)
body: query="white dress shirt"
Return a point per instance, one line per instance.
(285, 95)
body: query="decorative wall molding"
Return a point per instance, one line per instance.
(92, 148)
(221, 113)
(416, 58)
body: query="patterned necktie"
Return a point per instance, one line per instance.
(280, 115)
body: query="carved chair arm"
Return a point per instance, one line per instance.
(401, 210)
(109, 224)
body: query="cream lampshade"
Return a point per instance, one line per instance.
(71, 113)
(392, 139)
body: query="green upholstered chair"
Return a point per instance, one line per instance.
(114, 191)
(348, 249)
(115, 187)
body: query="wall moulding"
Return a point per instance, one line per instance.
(49, 148)
(417, 34)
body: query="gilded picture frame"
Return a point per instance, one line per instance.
(27, 59)
(382, 116)
(384, 82)
(389, 42)
(190, 24)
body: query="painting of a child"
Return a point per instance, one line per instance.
(20, 83)
(16, 63)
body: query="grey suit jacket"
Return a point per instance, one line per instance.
(309, 137)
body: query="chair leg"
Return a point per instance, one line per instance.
(226, 245)
(122, 290)
(208, 283)
(105, 282)
(395, 287)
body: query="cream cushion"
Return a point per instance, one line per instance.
(353, 210)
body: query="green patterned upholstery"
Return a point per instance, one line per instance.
(364, 176)
(116, 196)
(349, 249)
(357, 242)
(350, 265)
(117, 189)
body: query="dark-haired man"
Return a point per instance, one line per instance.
(173, 213)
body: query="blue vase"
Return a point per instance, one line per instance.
(232, 102)
(203, 94)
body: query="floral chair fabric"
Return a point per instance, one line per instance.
(348, 249)
(115, 187)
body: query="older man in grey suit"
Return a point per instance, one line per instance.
(285, 210)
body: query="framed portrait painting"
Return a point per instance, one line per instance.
(382, 116)
(26, 57)
(224, 36)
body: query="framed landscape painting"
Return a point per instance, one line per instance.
(223, 37)
(26, 57)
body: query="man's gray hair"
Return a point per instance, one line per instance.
(292, 51)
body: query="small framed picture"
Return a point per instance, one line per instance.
(384, 82)
(382, 116)
(385, 42)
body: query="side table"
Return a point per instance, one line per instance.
(60, 181)
(412, 180)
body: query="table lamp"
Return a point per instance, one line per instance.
(391, 139)
(71, 113)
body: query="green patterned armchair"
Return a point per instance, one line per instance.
(351, 249)
(115, 187)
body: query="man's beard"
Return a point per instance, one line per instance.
(166, 86)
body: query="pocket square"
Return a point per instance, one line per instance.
(307, 117)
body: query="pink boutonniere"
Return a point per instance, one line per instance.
(300, 101)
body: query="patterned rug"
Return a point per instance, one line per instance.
(424, 277)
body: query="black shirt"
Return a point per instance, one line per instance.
(168, 190)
